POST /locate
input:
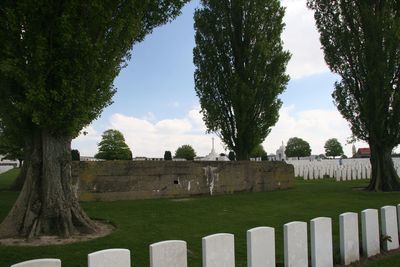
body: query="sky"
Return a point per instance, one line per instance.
(156, 107)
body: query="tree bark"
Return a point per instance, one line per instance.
(383, 175)
(47, 204)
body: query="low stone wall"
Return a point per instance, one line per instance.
(117, 180)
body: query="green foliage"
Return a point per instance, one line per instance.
(75, 155)
(113, 146)
(167, 155)
(333, 148)
(258, 152)
(232, 156)
(58, 60)
(240, 69)
(185, 152)
(297, 147)
(361, 44)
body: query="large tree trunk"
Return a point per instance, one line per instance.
(383, 175)
(47, 204)
(241, 154)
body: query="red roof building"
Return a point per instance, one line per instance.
(363, 153)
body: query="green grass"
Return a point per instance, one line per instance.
(143, 222)
(7, 178)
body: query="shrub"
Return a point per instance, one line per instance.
(167, 155)
(75, 155)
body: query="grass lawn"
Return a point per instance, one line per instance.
(7, 178)
(142, 222)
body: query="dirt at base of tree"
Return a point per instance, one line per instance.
(104, 230)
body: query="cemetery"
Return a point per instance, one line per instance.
(338, 169)
(61, 67)
(316, 222)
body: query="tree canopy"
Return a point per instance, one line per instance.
(113, 147)
(333, 148)
(258, 152)
(58, 61)
(240, 69)
(167, 155)
(361, 44)
(185, 152)
(297, 147)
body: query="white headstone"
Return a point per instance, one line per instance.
(398, 218)
(370, 232)
(218, 250)
(349, 247)
(172, 253)
(39, 263)
(321, 242)
(110, 258)
(348, 173)
(295, 240)
(305, 173)
(359, 173)
(389, 228)
(261, 247)
(343, 174)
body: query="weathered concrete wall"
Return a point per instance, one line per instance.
(115, 180)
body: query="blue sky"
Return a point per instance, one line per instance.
(156, 107)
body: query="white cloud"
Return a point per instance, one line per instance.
(87, 141)
(301, 38)
(315, 126)
(151, 139)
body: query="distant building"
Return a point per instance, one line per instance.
(353, 150)
(363, 153)
(213, 156)
(6, 162)
(280, 153)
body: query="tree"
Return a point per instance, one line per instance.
(185, 152)
(167, 155)
(258, 152)
(333, 148)
(240, 69)
(58, 60)
(297, 147)
(113, 147)
(361, 44)
(75, 155)
(231, 156)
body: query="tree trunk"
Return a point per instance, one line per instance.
(241, 154)
(383, 174)
(47, 204)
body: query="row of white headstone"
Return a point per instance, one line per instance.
(340, 170)
(219, 251)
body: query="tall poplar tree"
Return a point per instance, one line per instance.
(58, 60)
(361, 41)
(240, 69)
